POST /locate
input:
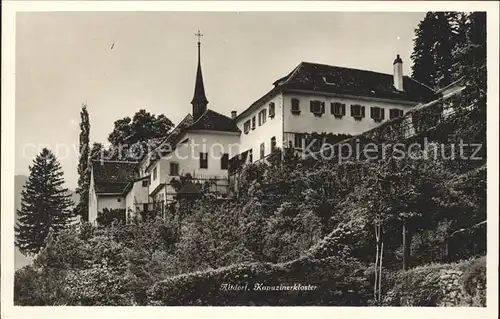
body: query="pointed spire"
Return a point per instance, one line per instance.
(199, 101)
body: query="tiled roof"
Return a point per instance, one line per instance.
(340, 80)
(112, 188)
(173, 137)
(213, 121)
(113, 176)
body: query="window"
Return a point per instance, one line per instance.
(262, 149)
(145, 183)
(337, 109)
(203, 160)
(357, 111)
(295, 107)
(262, 117)
(224, 161)
(250, 156)
(317, 107)
(155, 171)
(271, 110)
(253, 123)
(377, 113)
(273, 143)
(246, 127)
(174, 169)
(395, 113)
(298, 140)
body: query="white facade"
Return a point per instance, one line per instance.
(97, 203)
(110, 202)
(185, 159)
(286, 123)
(307, 122)
(138, 195)
(263, 131)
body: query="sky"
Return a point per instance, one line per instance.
(64, 59)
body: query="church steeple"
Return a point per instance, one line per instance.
(199, 101)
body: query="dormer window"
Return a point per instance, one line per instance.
(377, 114)
(327, 82)
(295, 107)
(317, 108)
(271, 110)
(395, 113)
(357, 111)
(246, 127)
(337, 109)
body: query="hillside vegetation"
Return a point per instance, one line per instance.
(306, 222)
(383, 231)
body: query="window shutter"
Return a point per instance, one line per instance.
(362, 111)
(311, 106)
(322, 107)
(371, 112)
(382, 113)
(352, 110)
(331, 107)
(343, 109)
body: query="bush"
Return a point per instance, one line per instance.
(333, 281)
(474, 280)
(462, 284)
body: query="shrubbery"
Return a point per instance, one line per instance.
(338, 282)
(459, 284)
(474, 281)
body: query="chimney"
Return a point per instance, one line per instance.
(398, 73)
(233, 114)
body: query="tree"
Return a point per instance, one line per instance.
(432, 50)
(143, 127)
(83, 165)
(423, 68)
(411, 194)
(45, 204)
(471, 60)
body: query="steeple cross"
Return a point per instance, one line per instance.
(199, 35)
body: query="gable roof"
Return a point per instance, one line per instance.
(214, 121)
(209, 120)
(340, 80)
(170, 138)
(324, 78)
(112, 177)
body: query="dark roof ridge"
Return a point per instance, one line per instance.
(345, 67)
(207, 113)
(199, 118)
(115, 161)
